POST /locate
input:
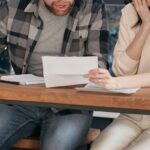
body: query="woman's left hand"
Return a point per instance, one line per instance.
(143, 11)
(102, 77)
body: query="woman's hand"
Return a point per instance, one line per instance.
(143, 11)
(102, 78)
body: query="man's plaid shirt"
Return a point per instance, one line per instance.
(20, 27)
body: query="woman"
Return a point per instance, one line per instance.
(132, 66)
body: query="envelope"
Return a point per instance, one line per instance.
(66, 71)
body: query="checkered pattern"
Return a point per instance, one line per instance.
(86, 32)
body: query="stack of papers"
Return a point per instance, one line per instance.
(93, 87)
(65, 71)
(23, 79)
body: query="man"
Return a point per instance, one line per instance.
(31, 29)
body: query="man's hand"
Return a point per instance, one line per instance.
(102, 78)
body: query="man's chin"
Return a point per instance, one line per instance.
(57, 11)
(60, 13)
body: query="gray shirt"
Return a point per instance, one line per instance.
(50, 41)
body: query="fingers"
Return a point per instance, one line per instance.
(102, 78)
(99, 81)
(94, 71)
(136, 5)
(140, 4)
(144, 3)
(98, 74)
(99, 71)
(106, 84)
(104, 71)
(143, 11)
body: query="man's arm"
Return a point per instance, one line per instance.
(3, 24)
(97, 43)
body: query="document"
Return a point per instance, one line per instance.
(23, 79)
(65, 71)
(93, 87)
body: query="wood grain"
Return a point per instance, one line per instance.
(69, 96)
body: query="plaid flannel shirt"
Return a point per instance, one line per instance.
(85, 35)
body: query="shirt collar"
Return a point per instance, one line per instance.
(32, 7)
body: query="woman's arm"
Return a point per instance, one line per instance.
(134, 81)
(134, 50)
(103, 78)
(128, 50)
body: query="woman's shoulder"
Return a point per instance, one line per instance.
(129, 8)
(129, 13)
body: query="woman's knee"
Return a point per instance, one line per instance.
(116, 136)
(142, 142)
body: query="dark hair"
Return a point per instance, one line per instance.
(127, 1)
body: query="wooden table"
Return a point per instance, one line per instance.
(69, 97)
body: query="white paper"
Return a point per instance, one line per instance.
(93, 87)
(23, 79)
(64, 71)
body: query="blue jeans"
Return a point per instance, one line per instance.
(59, 131)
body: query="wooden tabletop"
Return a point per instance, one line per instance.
(69, 97)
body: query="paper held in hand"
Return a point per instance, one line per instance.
(65, 71)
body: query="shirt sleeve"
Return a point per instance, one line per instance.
(97, 42)
(122, 63)
(3, 24)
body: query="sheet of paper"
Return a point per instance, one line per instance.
(93, 87)
(65, 71)
(23, 79)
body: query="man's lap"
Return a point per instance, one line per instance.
(20, 121)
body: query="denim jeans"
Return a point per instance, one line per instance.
(58, 131)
